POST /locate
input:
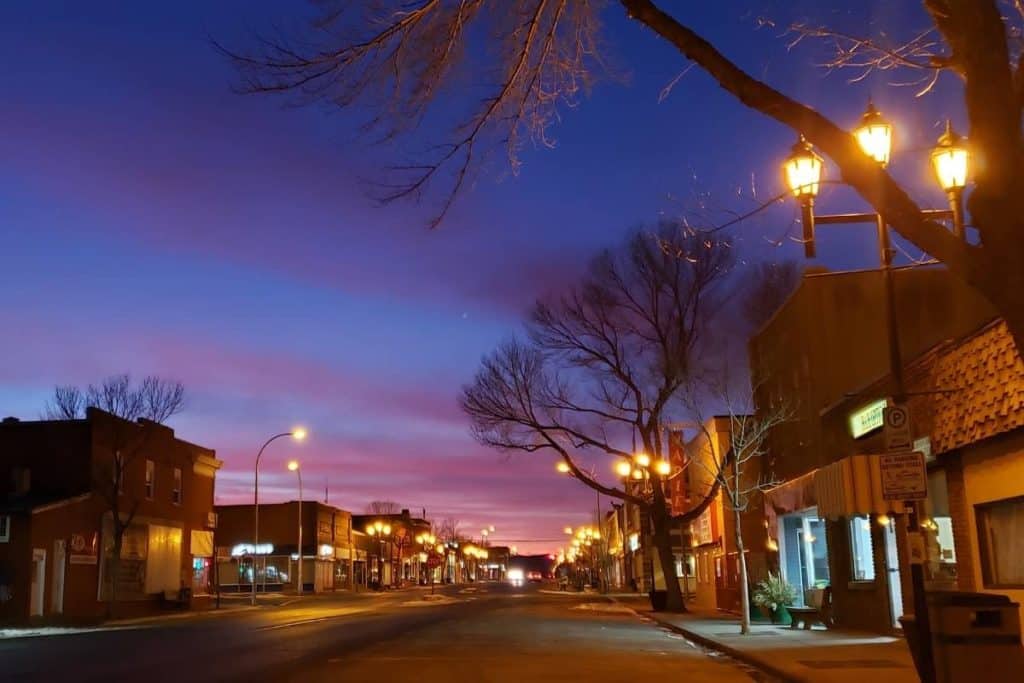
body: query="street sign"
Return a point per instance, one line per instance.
(897, 428)
(904, 476)
(433, 562)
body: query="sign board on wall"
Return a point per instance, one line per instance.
(904, 476)
(83, 548)
(868, 418)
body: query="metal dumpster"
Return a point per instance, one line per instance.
(975, 636)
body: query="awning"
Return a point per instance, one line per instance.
(792, 496)
(851, 486)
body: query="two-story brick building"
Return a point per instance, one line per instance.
(57, 502)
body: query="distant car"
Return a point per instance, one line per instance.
(515, 577)
(534, 577)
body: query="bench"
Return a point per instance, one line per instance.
(818, 609)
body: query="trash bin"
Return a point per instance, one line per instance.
(975, 634)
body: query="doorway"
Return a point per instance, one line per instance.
(38, 582)
(57, 587)
(892, 574)
(803, 552)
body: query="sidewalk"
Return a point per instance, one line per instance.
(817, 656)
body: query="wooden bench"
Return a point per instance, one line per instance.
(818, 609)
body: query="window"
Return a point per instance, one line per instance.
(1001, 540)
(176, 493)
(862, 552)
(5, 528)
(150, 479)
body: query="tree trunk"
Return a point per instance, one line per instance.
(115, 570)
(662, 523)
(744, 584)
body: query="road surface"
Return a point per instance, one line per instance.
(491, 633)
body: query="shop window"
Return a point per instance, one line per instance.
(1001, 538)
(861, 549)
(176, 492)
(150, 479)
(937, 525)
(5, 528)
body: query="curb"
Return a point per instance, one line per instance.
(738, 655)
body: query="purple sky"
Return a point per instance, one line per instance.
(152, 221)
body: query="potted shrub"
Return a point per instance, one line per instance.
(772, 595)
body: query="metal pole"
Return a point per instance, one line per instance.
(956, 205)
(299, 585)
(256, 508)
(899, 395)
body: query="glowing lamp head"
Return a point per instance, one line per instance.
(638, 474)
(386, 530)
(642, 460)
(567, 530)
(623, 468)
(562, 467)
(597, 535)
(950, 160)
(419, 538)
(883, 520)
(663, 467)
(299, 433)
(874, 135)
(802, 170)
(439, 549)
(370, 529)
(293, 465)
(491, 528)
(378, 525)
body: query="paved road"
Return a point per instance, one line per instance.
(495, 634)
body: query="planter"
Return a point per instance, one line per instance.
(781, 615)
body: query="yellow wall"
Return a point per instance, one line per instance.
(991, 476)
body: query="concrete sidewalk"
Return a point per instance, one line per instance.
(816, 656)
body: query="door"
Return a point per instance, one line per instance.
(892, 574)
(57, 580)
(38, 582)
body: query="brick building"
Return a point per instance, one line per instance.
(392, 558)
(57, 498)
(820, 353)
(328, 547)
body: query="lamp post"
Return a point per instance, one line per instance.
(298, 434)
(381, 531)
(803, 171)
(294, 467)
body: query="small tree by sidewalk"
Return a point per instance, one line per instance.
(737, 470)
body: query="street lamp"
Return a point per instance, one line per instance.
(562, 467)
(293, 466)
(802, 170)
(299, 434)
(381, 531)
(874, 135)
(949, 159)
(623, 468)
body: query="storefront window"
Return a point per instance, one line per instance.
(861, 549)
(1001, 532)
(937, 526)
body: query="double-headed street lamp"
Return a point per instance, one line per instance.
(431, 548)
(382, 531)
(299, 434)
(294, 467)
(950, 162)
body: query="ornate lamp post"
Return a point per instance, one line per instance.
(802, 171)
(382, 532)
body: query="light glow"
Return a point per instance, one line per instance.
(642, 459)
(562, 467)
(623, 468)
(802, 170)
(663, 467)
(293, 465)
(950, 160)
(250, 549)
(299, 433)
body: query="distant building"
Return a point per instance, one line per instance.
(56, 528)
(328, 547)
(393, 558)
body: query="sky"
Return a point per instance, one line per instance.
(152, 220)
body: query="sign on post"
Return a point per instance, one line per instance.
(897, 428)
(904, 476)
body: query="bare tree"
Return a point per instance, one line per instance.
(448, 530)
(383, 507)
(605, 364)
(400, 57)
(136, 411)
(738, 470)
(67, 403)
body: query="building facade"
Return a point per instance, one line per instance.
(57, 505)
(819, 354)
(393, 558)
(328, 547)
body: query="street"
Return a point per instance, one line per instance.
(491, 632)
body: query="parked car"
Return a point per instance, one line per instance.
(534, 577)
